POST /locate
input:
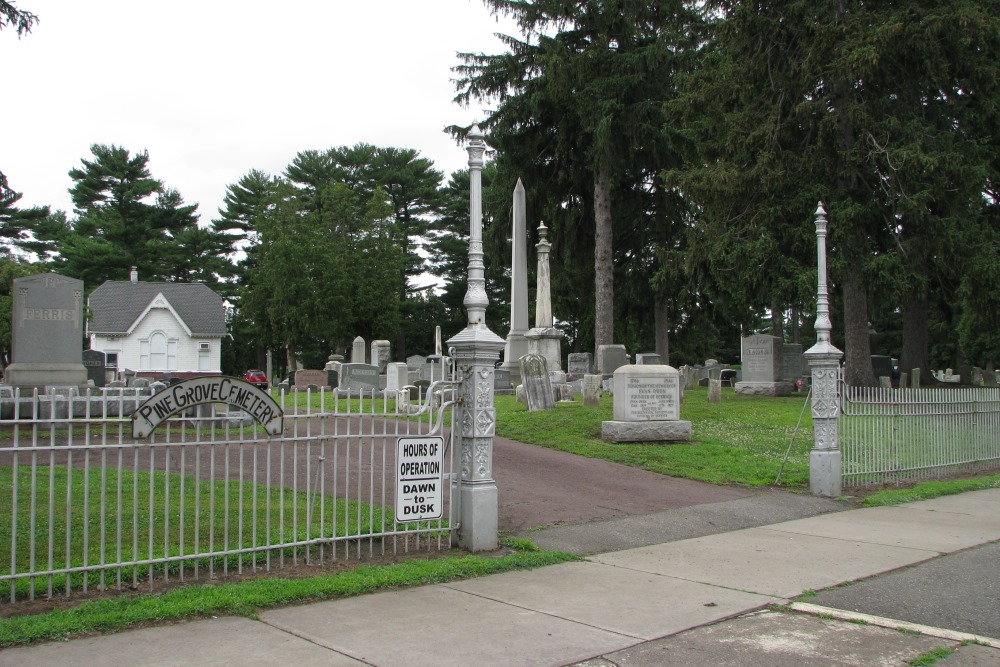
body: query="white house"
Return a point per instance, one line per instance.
(158, 328)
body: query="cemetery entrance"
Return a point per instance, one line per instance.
(211, 492)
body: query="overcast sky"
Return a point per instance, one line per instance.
(214, 88)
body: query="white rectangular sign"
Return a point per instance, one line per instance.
(419, 478)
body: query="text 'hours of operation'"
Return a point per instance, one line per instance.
(419, 479)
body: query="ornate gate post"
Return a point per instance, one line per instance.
(476, 350)
(824, 361)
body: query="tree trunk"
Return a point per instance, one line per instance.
(290, 359)
(858, 370)
(915, 336)
(604, 270)
(662, 334)
(796, 326)
(777, 323)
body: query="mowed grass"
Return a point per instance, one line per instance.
(741, 440)
(248, 597)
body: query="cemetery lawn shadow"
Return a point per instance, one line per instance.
(741, 440)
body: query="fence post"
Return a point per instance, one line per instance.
(824, 362)
(476, 350)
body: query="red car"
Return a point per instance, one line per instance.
(257, 378)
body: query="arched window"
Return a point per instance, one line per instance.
(158, 351)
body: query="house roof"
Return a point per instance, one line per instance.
(116, 304)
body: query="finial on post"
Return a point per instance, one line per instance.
(823, 324)
(475, 296)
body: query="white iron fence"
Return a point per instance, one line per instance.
(893, 435)
(87, 506)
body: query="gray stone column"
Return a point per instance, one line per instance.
(517, 344)
(476, 350)
(824, 362)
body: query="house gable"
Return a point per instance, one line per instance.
(159, 302)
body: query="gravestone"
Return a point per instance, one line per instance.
(647, 406)
(95, 361)
(415, 362)
(358, 378)
(536, 383)
(306, 377)
(592, 390)
(334, 361)
(648, 359)
(381, 353)
(396, 376)
(762, 367)
(433, 369)
(715, 385)
(501, 381)
(727, 377)
(46, 332)
(358, 351)
(882, 366)
(793, 362)
(610, 358)
(579, 364)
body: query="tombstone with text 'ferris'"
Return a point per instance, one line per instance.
(762, 356)
(647, 406)
(46, 332)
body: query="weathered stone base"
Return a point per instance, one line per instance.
(825, 472)
(39, 375)
(479, 516)
(648, 431)
(765, 388)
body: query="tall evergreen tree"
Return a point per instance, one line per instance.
(578, 103)
(126, 218)
(871, 107)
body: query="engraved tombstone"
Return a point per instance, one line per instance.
(579, 364)
(762, 367)
(94, 361)
(647, 406)
(358, 378)
(610, 357)
(396, 376)
(46, 332)
(793, 362)
(358, 351)
(381, 351)
(536, 382)
(591, 390)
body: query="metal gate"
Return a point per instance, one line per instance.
(209, 492)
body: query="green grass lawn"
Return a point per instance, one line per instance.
(741, 440)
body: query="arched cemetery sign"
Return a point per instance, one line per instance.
(199, 391)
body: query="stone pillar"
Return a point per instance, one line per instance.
(544, 339)
(517, 344)
(476, 350)
(824, 362)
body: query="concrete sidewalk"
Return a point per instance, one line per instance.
(716, 599)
